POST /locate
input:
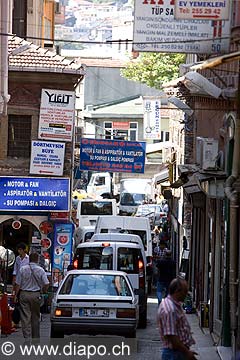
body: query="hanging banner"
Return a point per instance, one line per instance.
(112, 155)
(62, 251)
(156, 30)
(152, 117)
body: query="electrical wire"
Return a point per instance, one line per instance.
(120, 41)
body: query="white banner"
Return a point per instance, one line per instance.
(156, 30)
(152, 117)
(47, 158)
(56, 115)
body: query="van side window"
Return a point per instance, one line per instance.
(127, 259)
(95, 258)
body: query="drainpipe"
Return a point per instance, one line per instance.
(4, 97)
(232, 193)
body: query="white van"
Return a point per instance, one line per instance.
(88, 210)
(108, 252)
(130, 225)
(83, 234)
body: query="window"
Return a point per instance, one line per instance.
(121, 134)
(19, 136)
(166, 136)
(128, 259)
(96, 257)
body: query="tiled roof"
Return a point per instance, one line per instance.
(25, 56)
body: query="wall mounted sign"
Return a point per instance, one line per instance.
(47, 158)
(56, 119)
(34, 194)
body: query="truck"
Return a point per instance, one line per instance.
(100, 184)
(133, 192)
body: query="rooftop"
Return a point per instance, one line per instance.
(25, 56)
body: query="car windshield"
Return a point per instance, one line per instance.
(96, 208)
(131, 199)
(95, 284)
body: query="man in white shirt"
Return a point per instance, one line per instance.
(21, 260)
(30, 280)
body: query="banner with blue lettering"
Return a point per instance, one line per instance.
(112, 155)
(34, 194)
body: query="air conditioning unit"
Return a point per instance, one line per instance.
(206, 153)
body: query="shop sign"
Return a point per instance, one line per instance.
(47, 158)
(56, 119)
(112, 155)
(210, 10)
(118, 125)
(152, 117)
(157, 30)
(34, 194)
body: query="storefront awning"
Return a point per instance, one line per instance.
(161, 177)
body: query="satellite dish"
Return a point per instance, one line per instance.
(7, 256)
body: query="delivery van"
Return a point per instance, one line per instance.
(117, 252)
(130, 225)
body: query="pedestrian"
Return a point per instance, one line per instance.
(174, 329)
(160, 250)
(30, 280)
(21, 260)
(166, 273)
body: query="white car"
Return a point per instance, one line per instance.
(94, 302)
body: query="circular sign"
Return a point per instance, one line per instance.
(46, 227)
(16, 224)
(63, 239)
(46, 243)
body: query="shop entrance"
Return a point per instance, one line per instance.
(10, 237)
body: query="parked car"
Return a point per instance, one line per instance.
(121, 252)
(94, 302)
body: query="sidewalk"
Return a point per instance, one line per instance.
(205, 346)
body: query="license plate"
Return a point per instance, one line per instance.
(86, 312)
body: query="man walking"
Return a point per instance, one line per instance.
(166, 273)
(21, 260)
(29, 281)
(173, 325)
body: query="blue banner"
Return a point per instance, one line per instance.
(62, 251)
(34, 194)
(112, 155)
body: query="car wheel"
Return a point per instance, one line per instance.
(131, 334)
(143, 319)
(54, 334)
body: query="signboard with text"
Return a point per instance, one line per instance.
(34, 194)
(210, 10)
(112, 155)
(56, 119)
(47, 158)
(156, 30)
(152, 117)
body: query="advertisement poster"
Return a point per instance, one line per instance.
(112, 155)
(62, 251)
(34, 194)
(56, 119)
(152, 117)
(157, 30)
(47, 158)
